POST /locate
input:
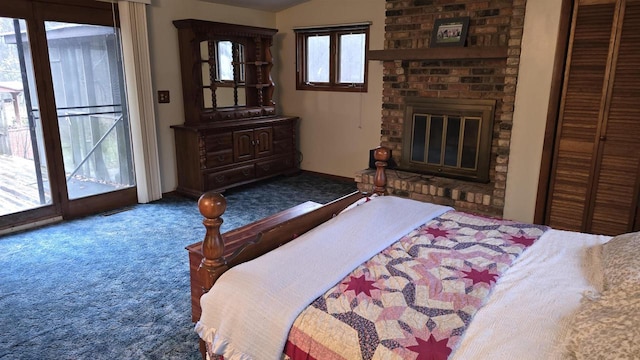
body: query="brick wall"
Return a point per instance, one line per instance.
(409, 24)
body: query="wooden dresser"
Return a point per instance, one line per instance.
(233, 240)
(222, 154)
(231, 134)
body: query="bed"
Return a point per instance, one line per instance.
(380, 277)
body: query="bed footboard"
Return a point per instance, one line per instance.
(212, 206)
(254, 238)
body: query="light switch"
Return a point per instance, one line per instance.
(163, 96)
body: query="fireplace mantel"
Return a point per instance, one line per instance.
(445, 53)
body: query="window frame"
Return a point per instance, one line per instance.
(334, 33)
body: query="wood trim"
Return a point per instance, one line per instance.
(607, 89)
(100, 203)
(636, 220)
(15, 9)
(557, 77)
(28, 219)
(476, 52)
(595, 2)
(329, 176)
(561, 114)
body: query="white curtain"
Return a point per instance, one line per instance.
(137, 66)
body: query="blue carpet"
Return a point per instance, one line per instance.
(117, 286)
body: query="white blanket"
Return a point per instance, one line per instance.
(249, 311)
(526, 315)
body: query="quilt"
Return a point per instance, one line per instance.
(415, 299)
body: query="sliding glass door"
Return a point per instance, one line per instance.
(24, 179)
(65, 145)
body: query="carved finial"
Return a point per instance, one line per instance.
(381, 154)
(212, 205)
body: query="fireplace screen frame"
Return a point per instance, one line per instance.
(459, 108)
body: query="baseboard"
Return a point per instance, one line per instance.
(30, 225)
(329, 176)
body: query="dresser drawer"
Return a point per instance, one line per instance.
(219, 158)
(270, 167)
(214, 142)
(220, 179)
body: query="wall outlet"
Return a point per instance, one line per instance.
(163, 96)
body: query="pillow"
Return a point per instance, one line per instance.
(621, 260)
(592, 267)
(607, 328)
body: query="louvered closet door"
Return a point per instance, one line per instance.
(579, 116)
(594, 184)
(615, 190)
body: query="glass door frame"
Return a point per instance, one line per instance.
(35, 13)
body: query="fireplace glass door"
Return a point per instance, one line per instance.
(448, 138)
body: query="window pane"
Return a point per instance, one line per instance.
(352, 50)
(435, 140)
(318, 59)
(453, 139)
(470, 143)
(23, 165)
(225, 61)
(419, 135)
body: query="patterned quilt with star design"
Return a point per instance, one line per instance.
(415, 299)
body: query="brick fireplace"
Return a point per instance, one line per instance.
(486, 68)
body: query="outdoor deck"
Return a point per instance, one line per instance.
(19, 186)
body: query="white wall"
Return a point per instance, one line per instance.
(539, 41)
(165, 64)
(337, 129)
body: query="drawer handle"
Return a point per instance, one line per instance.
(246, 172)
(220, 158)
(266, 167)
(220, 178)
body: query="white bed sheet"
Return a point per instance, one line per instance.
(527, 313)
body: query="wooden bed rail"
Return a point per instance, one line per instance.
(212, 205)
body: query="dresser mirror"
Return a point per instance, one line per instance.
(223, 74)
(226, 70)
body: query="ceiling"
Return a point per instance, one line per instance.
(266, 5)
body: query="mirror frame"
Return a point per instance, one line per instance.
(259, 86)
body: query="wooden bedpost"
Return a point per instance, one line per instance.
(381, 154)
(212, 205)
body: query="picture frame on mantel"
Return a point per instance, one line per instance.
(451, 32)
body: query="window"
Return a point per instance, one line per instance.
(332, 58)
